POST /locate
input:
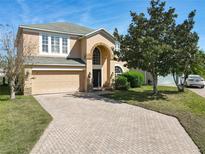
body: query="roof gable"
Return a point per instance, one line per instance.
(100, 31)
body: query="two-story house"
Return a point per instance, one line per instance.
(67, 57)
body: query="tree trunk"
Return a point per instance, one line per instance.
(12, 89)
(155, 80)
(4, 81)
(180, 86)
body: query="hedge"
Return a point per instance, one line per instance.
(136, 79)
(121, 83)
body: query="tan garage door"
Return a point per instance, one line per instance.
(55, 81)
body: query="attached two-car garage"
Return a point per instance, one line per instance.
(45, 75)
(56, 81)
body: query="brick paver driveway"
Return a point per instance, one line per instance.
(92, 125)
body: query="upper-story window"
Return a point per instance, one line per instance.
(96, 56)
(65, 45)
(45, 43)
(55, 44)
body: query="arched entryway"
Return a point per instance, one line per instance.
(102, 70)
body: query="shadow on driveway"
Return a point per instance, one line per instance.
(122, 96)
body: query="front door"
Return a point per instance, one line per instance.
(96, 78)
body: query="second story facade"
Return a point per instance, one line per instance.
(61, 39)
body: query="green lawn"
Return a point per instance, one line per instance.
(188, 107)
(22, 122)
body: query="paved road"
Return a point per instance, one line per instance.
(199, 91)
(92, 125)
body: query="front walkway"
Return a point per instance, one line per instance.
(91, 125)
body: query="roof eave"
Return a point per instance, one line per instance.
(98, 31)
(82, 65)
(47, 30)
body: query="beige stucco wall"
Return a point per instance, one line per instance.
(97, 39)
(79, 48)
(31, 40)
(75, 48)
(29, 43)
(19, 44)
(83, 43)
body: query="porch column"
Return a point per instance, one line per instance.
(112, 72)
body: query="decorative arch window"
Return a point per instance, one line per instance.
(96, 56)
(118, 70)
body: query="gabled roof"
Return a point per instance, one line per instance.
(66, 28)
(60, 27)
(101, 30)
(57, 61)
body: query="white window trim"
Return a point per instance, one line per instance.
(61, 45)
(120, 67)
(49, 53)
(97, 66)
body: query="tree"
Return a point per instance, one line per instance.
(185, 48)
(13, 59)
(145, 46)
(198, 67)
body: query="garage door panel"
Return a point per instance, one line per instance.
(55, 82)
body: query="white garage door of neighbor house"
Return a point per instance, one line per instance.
(55, 81)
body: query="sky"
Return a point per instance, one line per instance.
(95, 14)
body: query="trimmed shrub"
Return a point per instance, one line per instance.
(136, 79)
(121, 83)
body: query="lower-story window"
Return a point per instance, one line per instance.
(118, 70)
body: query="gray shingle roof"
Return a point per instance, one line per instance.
(54, 61)
(63, 27)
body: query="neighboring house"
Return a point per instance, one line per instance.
(68, 57)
